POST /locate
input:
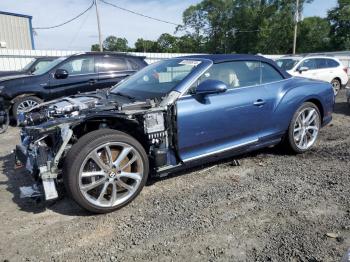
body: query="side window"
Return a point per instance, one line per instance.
(321, 63)
(40, 65)
(309, 63)
(332, 63)
(234, 74)
(79, 66)
(269, 74)
(133, 65)
(110, 64)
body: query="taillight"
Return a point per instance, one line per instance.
(345, 69)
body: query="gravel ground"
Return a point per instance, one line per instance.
(273, 207)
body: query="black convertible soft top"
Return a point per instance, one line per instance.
(220, 58)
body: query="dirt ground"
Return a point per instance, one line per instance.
(273, 207)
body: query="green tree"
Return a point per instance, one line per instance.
(188, 44)
(95, 47)
(314, 35)
(339, 18)
(245, 26)
(168, 43)
(113, 43)
(142, 45)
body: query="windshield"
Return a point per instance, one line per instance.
(49, 66)
(27, 67)
(156, 80)
(287, 64)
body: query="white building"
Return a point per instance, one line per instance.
(16, 31)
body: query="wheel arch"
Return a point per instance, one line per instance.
(130, 127)
(319, 105)
(25, 95)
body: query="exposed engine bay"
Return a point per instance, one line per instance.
(50, 129)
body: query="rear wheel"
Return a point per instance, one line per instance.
(304, 128)
(336, 86)
(23, 104)
(105, 170)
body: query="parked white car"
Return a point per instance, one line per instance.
(324, 68)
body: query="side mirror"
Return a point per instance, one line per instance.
(303, 69)
(61, 74)
(211, 86)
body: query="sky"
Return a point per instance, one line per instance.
(82, 33)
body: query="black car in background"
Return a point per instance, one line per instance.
(35, 64)
(67, 76)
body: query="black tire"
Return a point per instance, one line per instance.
(289, 141)
(20, 100)
(336, 85)
(79, 151)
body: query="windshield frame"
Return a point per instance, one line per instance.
(183, 84)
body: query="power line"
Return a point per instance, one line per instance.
(79, 29)
(70, 20)
(139, 14)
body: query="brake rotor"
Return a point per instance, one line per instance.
(115, 152)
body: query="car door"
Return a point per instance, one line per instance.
(223, 121)
(311, 72)
(333, 67)
(323, 70)
(82, 77)
(112, 69)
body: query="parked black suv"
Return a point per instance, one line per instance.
(35, 64)
(66, 76)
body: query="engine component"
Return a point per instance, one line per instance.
(68, 105)
(154, 122)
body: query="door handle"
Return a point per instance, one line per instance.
(259, 102)
(92, 81)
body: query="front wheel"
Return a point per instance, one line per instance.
(24, 104)
(105, 170)
(304, 128)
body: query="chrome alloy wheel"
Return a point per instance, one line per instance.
(26, 105)
(110, 174)
(306, 128)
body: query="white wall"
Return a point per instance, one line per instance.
(15, 31)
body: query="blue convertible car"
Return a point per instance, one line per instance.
(171, 115)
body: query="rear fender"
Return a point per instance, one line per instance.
(291, 99)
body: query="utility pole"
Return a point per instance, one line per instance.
(99, 26)
(296, 28)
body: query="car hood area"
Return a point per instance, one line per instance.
(78, 107)
(17, 78)
(11, 73)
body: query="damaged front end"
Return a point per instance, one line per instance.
(51, 129)
(46, 136)
(41, 152)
